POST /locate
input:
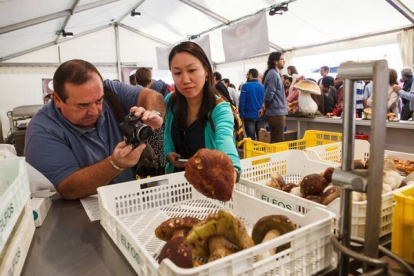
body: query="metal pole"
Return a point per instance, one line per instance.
(118, 52)
(347, 165)
(375, 170)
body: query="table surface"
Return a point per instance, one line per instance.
(68, 243)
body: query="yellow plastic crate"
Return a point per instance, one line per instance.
(311, 138)
(403, 224)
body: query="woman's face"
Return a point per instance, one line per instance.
(189, 75)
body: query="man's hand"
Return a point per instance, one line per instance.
(148, 117)
(396, 88)
(173, 159)
(124, 156)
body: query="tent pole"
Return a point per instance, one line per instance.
(118, 52)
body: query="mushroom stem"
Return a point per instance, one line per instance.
(219, 247)
(179, 233)
(270, 235)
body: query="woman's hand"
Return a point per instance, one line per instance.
(173, 157)
(148, 117)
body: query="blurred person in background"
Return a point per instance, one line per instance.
(234, 94)
(407, 77)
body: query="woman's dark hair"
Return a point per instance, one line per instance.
(143, 76)
(393, 77)
(76, 72)
(179, 102)
(292, 69)
(274, 56)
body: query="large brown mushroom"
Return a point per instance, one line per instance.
(219, 235)
(313, 184)
(174, 231)
(327, 174)
(211, 172)
(271, 227)
(330, 194)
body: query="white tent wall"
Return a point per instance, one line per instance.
(236, 71)
(22, 85)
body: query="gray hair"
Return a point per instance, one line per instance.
(407, 72)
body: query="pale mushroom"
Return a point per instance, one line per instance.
(306, 104)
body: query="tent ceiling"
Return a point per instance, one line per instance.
(306, 22)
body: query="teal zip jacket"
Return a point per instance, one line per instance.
(221, 139)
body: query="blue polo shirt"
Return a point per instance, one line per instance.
(57, 148)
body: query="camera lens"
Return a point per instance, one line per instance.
(143, 132)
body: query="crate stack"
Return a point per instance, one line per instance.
(16, 219)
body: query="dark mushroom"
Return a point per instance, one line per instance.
(277, 181)
(314, 198)
(313, 184)
(219, 235)
(174, 231)
(328, 174)
(359, 164)
(271, 227)
(178, 251)
(211, 172)
(330, 194)
(288, 187)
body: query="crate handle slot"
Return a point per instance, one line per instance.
(332, 148)
(260, 161)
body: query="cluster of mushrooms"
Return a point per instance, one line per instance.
(191, 242)
(318, 187)
(314, 187)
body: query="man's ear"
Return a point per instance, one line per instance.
(57, 99)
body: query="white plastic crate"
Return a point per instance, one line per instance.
(130, 215)
(14, 197)
(293, 165)
(17, 247)
(333, 153)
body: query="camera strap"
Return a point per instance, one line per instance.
(148, 156)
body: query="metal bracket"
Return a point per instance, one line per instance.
(355, 180)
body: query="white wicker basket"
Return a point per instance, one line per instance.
(14, 196)
(130, 215)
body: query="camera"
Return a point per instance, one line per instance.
(134, 131)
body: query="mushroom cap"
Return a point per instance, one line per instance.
(313, 184)
(211, 172)
(280, 223)
(328, 174)
(359, 164)
(330, 195)
(178, 251)
(308, 86)
(368, 110)
(166, 229)
(223, 224)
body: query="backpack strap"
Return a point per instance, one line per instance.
(114, 103)
(210, 115)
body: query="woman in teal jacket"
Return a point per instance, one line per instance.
(187, 126)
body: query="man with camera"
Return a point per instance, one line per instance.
(75, 140)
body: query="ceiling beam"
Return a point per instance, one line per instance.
(52, 43)
(144, 34)
(274, 46)
(206, 11)
(128, 13)
(66, 21)
(401, 8)
(53, 16)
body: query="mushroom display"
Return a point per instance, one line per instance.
(174, 232)
(211, 172)
(217, 236)
(327, 174)
(367, 113)
(288, 187)
(359, 164)
(306, 104)
(313, 184)
(271, 227)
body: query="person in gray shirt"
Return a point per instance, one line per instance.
(75, 140)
